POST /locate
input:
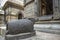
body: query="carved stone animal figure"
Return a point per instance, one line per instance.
(20, 26)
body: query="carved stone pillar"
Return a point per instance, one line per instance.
(56, 13)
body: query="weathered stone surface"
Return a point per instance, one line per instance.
(20, 26)
(20, 36)
(56, 9)
(43, 36)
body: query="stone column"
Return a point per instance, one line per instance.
(56, 13)
(38, 7)
(5, 16)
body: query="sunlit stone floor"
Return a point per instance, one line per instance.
(43, 36)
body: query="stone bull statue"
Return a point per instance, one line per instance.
(20, 26)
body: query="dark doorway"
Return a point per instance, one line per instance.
(20, 16)
(49, 7)
(46, 7)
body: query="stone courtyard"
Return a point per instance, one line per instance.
(41, 36)
(46, 13)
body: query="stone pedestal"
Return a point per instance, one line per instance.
(19, 36)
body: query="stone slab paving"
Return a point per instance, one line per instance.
(2, 38)
(44, 36)
(41, 36)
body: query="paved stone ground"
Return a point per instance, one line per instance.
(41, 36)
(2, 38)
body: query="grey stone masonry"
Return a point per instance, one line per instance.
(56, 9)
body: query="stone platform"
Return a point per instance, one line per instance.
(43, 36)
(20, 36)
(39, 36)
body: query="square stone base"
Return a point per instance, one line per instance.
(19, 36)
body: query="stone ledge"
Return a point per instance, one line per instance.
(20, 36)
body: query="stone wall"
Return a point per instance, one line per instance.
(29, 11)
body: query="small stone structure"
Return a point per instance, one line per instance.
(20, 26)
(17, 29)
